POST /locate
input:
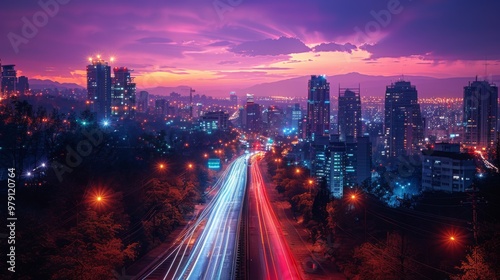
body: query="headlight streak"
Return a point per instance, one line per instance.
(221, 188)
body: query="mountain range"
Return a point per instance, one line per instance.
(370, 85)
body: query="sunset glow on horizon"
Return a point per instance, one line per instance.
(219, 45)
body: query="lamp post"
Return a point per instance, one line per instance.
(355, 199)
(310, 183)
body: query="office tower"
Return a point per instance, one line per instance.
(403, 121)
(233, 98)
(349, 116)
(99, 88)
(143, 102)
(161, 107)
(212, 121)
(275, 119)
(480, 114)
(252, 115)
(296, 116)
(320, 163)
(123, 93)
(341, 164)
(337, 169)
(9, 79)
(446, 169)
(318, 107)
(23, 86)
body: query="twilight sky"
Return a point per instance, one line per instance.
(233, 43)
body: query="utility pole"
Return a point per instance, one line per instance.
(474, 200)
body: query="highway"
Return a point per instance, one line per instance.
(206, 249)
(268, 253)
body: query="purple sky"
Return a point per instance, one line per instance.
(234, 43)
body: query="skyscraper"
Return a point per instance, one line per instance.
(349, 113)
(252, 115)
(318, 107)
(296, 116)
(480, 114)
(123, 97)
(143, 102)
(23, 86)
(99, 88)
(233, 98)
(403, 121)
(9, 79)
(275, 121)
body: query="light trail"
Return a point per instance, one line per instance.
(276, 260)
(214, 232)
(487, 163)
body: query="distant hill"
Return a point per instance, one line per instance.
(183, 90)
(41, 84)
(370, 85)
(297, 87)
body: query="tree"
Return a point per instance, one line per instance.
(392, 259)
(91, 250)
(475, 267)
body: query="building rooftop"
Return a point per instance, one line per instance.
(452, 155)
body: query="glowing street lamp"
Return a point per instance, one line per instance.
(162, 166)
(311, 183)
(355, 200)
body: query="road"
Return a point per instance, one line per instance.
(206, 248)
(268, 253)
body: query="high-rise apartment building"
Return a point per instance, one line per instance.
(99, 88)
(123, 93)
(9, 79)
(480, 114)
(23, 86)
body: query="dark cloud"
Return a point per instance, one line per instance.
(334, 47)
(282, 45)
(444, 30)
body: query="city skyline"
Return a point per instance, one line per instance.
(234, 139)
(216, 45)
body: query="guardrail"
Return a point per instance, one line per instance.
(240, 268)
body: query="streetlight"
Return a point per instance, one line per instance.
(161, 166)
(354, 198)
(311, 183)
